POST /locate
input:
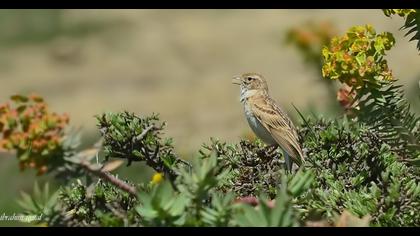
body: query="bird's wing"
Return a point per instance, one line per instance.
(280, 126)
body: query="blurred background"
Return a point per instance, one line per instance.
(178, 63)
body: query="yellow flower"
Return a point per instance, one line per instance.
(44, 224)
(157, 178)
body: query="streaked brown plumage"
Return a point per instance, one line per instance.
(268, 121)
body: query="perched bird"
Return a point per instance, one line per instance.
(268, 121)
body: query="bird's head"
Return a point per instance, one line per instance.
(250, 82)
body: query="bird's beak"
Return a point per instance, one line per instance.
(236, 80)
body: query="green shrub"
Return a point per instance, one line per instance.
(357, 171)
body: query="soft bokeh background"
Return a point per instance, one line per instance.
(178, 63)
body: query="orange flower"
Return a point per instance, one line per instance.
(34, 97)
(3, 144)
(32, 164)
(344, 97)
(42, 170)
(22, 165)
(305, 37)
(33, 126)
(56, 139)
(39, 144)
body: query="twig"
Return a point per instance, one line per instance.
(142, 134)
(156, 151)
(110, 178)
(116, 212)
(185, 163)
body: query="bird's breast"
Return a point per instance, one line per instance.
(257, 127)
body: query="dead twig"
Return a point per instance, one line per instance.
(110, 178)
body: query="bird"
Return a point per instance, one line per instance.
(267, 120)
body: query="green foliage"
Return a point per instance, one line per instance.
(412, 21)
(135, 139)
(162, 206)
(221, 211)
(393, 119)
(400, 12)
(255, 169)
(357, 59)
(281, 215)
(100, 204)
(245, 185)
(194, 201)
(197, 195)
(185, 205)
(41, 203)
(190, 204)
(198, 202)
(357, 171)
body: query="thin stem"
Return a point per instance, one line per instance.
(110, 178)
(142, 134)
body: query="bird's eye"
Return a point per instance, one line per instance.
(249, 78)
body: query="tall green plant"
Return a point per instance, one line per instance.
(358, 60)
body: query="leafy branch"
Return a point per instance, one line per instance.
(411, 24)
(357, 59)
(130, 137)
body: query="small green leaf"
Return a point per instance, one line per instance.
(19, 98)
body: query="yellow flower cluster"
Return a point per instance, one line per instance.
(357, 57)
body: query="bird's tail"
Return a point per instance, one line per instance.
(288, 162)
(297, 156)
(300, 157)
